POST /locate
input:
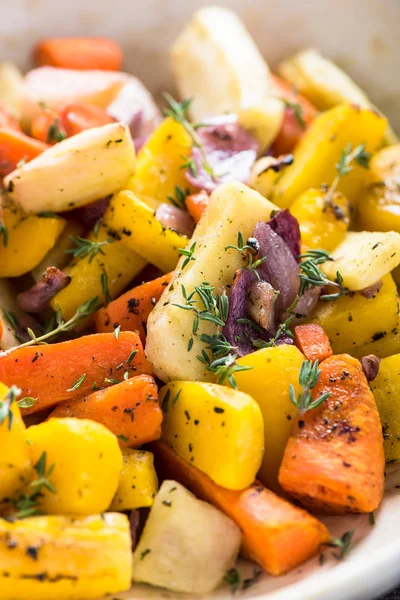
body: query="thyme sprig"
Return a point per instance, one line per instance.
(308, 379)
(28, 505)
(84, 310)
(311, 274)
(297, 109)
(345, 165)
(85, 247)
(344, 544)
(248, 252)
(6, 403)
(179, 199)
(188, 253)
(283, 328)
(179, 112)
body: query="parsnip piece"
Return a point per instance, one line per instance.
(364, 257)
(263, 120)
(233, 207)
(187, 545)
(216, 62)
(8, 304)
(11, 88)
(76, 171)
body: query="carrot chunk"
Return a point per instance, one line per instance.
(131, 310)
(334, 459)
(276, 534)
(79, 53)
(15, 146)
(197, 204)
(313, 342)
(71, 369)
(129, 409)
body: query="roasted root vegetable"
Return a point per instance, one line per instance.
(10, 314)
(350, 322)
(140, 231)
(267, 381)
(129, 409)
(67, 370)
(318, 152)
(16, 147)
(323, 220)
(276, 534)
(67, 558)
(105, 275)
(131, 310)
(379, 206)
(76, 171)
(217, 429)
(233, 208)
(84, 479)
(29, 239)
(386, 390)
(313, 342)
(363, 258)
(15, 459)
(138, 483)
(11, 88)
(79, 53)
(334, 459)
(186, 545)
(196, 204)
(215, 62)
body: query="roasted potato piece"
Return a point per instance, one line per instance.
(187, 545)
(386, 389)
(11, 88)
(138, 483)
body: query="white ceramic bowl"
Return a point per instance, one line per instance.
(363, 37)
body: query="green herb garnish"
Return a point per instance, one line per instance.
(308, 379)
(85, 247)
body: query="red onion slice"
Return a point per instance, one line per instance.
(38, 297)
(175, 218)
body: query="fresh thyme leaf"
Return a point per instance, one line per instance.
(248, 252)
(77, 383)
(85, 247)
(123, 438)
(131, 356)
(234, 579)
(104, 285)
(297, 111)
(371, 519)
(4, 234)
(28, 505)
(188, 163)
(6, 404)
(166, 401)
(117, 331)
(308, 379)
(343, 544)
(179, 200)
(111, 380)
(176, 397)
(345, 165)
(26, 402)
(48, 214)
(188, 253)
(311, 274)
(56, 133)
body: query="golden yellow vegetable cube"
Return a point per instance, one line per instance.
(386, 390)
(353, 321)
(217, 429)
(15, 462)
(158, 162)
(138, 483)
(87, 463)
(273, 371)
(319, 150)
(322, 224)
(65, 558)
(379, 207)
(29, 240)
(119, 264)
(140, 231)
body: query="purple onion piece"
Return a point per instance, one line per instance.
(90, 214)
(230, 150)
(279, 268)
(287, 227)
(38, 297)
(372, 290)
(306, 304)
(175, 218)
(260, 304)
(284, 339)
(370, 366)
(134, 521)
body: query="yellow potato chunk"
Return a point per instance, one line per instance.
(138, 483)
(322, 224)
(140, 231)
(87, 464)
(217, 429)
(386, 390)
(316, 155)
(15, 462)
(29, 240)
(363, 258)
(358, 325)
(273, 371)
(67, 558)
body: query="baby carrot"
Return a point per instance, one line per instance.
(313, 342)
(197, 204)
(15, 146)
(79, 53)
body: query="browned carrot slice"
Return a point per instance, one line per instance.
(312, 340)
(15, 146)
(197, 204)
(334, 459)
(79, 53)
(71, 369)
(276, 534)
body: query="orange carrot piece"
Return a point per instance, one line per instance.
(131, 310)
(313, 342)
(276, 534)
(49, 373)
(48, 127)
(79, 117)
(16, 146)
(334, 459)
(197, 204)
(295, 122)
(1, 329)
(129, 409)
(79, 53)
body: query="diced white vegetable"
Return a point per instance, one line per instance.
(364, 257)
(75, 172)
(8, 303)
(11, 88)
(187, 545)
(263, 120)
(233, 207)
(216, 62)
